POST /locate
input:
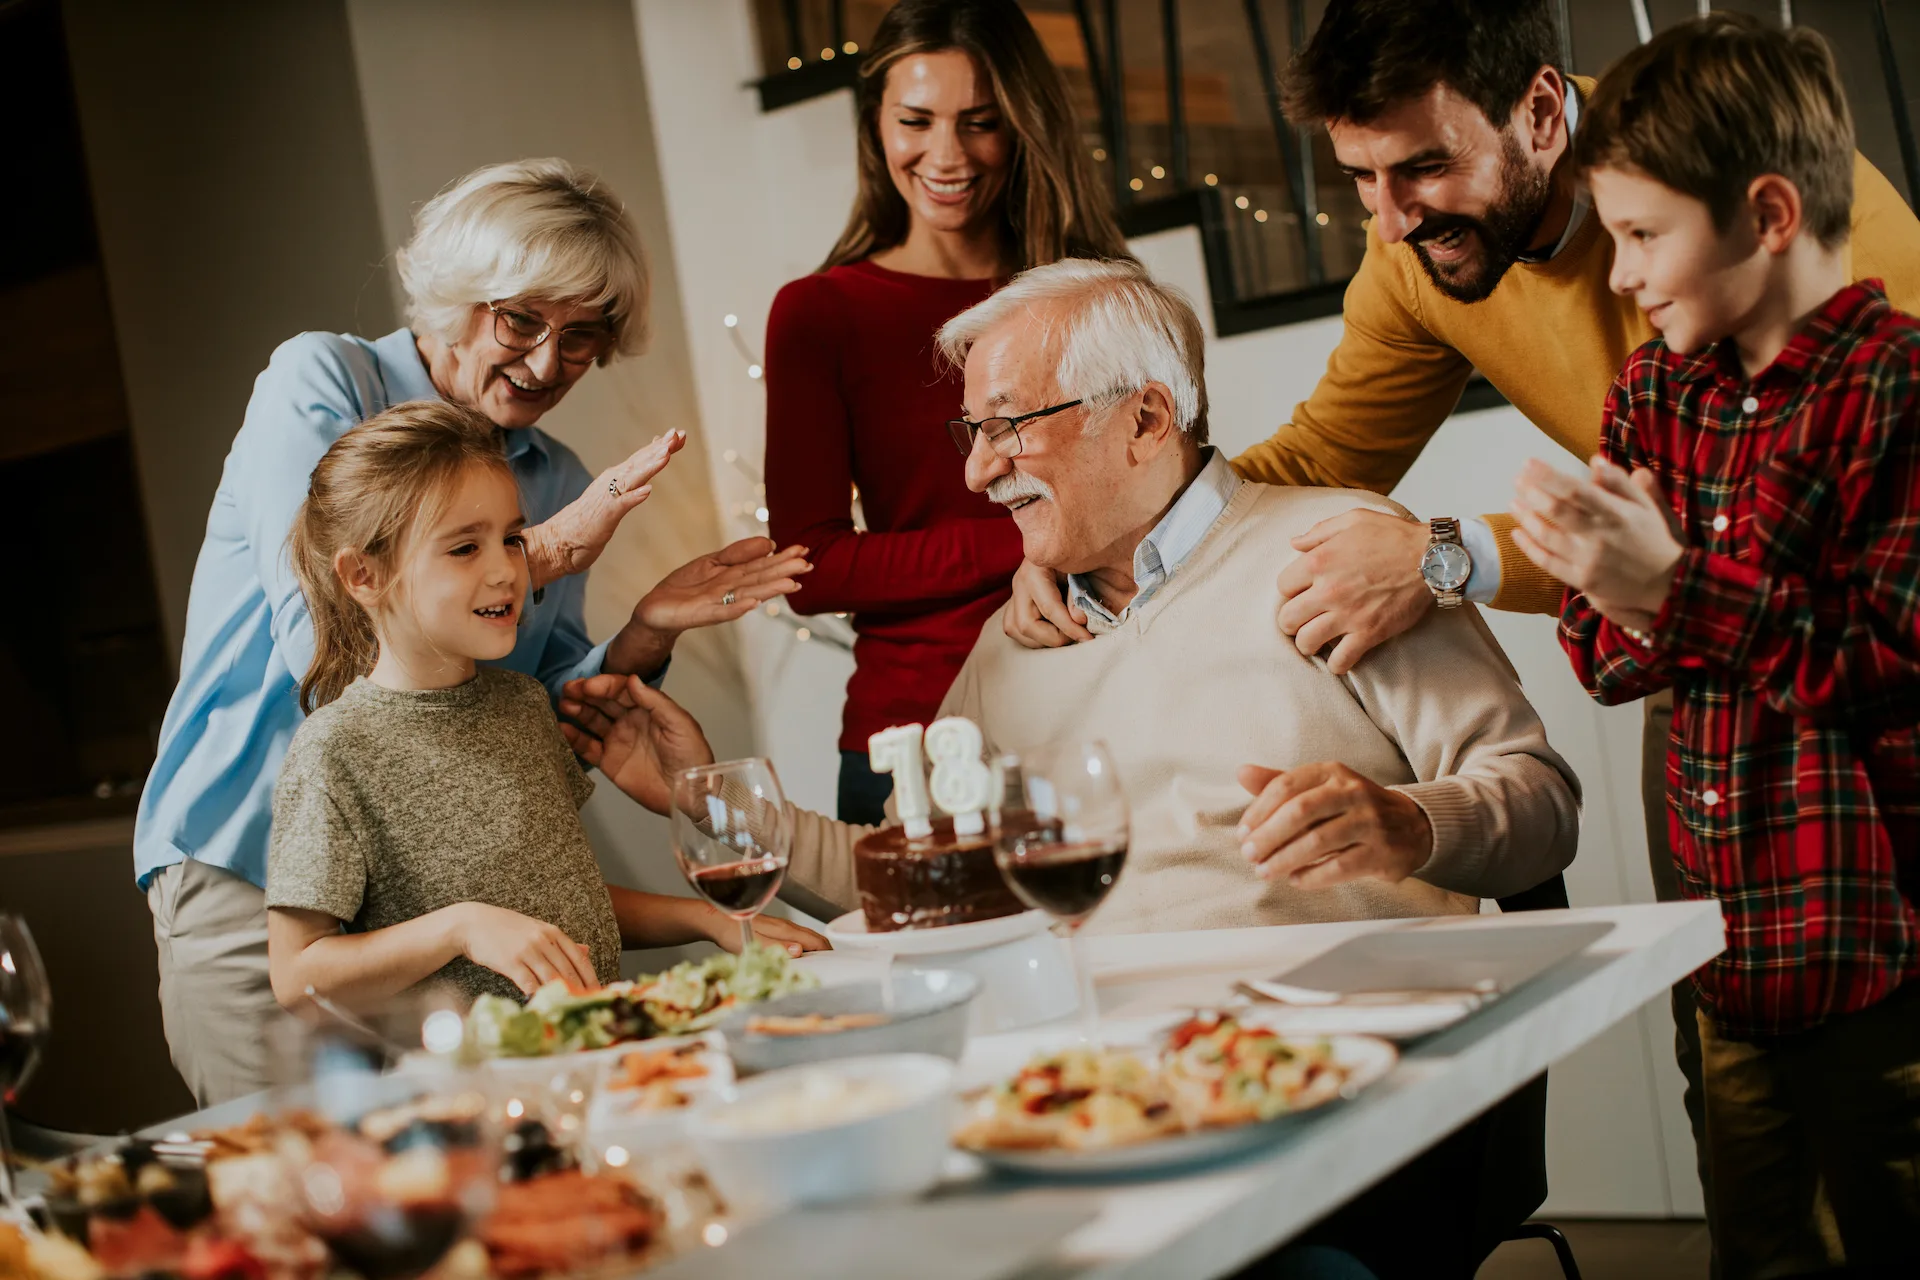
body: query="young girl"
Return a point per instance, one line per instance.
(425, 823)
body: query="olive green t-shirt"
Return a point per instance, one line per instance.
(393, 803)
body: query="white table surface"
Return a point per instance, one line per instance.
(1211, 1222)
(1214, 1220)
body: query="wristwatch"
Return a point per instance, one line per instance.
(1446, 566)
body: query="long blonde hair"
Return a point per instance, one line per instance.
(379, 482)
(1053, 207)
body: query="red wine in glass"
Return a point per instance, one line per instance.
(739, 888)
(1067, 881)
(731, 836)
(1060, 837)
(397, 1241)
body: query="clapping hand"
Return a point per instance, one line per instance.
(638, 737)
(573, 539)
(721, 586)
(1608, 535)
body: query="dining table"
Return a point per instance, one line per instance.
(1212, 1219)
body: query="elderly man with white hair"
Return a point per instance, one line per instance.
(1264, 788)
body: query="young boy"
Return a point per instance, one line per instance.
(1750, 537)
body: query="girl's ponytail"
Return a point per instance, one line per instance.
(393, 471)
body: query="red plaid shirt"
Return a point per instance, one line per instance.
(1792, 642)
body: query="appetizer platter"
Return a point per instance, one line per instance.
(1212, 1086)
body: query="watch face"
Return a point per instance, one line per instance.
(1446, 566)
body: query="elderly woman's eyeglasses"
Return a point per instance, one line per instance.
(1003, 434)
(522, 331)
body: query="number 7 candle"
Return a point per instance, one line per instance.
(897, 751)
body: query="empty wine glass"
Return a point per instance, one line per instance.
(26, 1008)
(1060, 838)
(732, 836)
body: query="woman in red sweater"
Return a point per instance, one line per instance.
(971, 169)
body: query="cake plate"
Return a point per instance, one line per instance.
(1026, 974)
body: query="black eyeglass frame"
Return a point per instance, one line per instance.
(963, 432)
(507, 336)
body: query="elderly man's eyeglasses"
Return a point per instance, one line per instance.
(521, 331)
(1003, 434)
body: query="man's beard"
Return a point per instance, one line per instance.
(1503, 233)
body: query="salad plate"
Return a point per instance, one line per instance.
(685, 1000)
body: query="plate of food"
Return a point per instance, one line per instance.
(685, 1000)
(1213, 1086)
(648, 1089)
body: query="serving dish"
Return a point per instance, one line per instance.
(826, 1133)
(928, 1014)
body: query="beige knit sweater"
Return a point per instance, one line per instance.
(1197, 682)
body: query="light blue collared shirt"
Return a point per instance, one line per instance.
(1161, 553)
(209, 796)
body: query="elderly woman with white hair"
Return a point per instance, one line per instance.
(520, 277)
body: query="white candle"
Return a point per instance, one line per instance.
(897, 751)
(961, 783)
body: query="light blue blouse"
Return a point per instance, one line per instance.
(209, 796)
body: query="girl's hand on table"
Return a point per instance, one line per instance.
(527, 952)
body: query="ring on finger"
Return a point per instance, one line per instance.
(726, 599)
(613, 487)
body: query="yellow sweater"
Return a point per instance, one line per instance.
(1552, 338)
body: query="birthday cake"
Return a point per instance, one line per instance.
(926, 882)
(924, 873)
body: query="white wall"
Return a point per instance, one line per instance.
(754, 200)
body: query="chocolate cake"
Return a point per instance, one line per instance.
(937, 880)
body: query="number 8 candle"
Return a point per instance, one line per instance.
(961, 783)
(897, 751)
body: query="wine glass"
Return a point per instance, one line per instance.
(732, 836)
(26, 1007)
(386, 1168)
(1060, 838)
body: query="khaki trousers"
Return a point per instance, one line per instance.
(216, 1002)
(1814, 1144)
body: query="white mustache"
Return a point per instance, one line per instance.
(1015, 485)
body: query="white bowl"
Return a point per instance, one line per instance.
(894, 1152)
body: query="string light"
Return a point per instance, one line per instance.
(1241, 202)
(826, 54)
(793, 64)
(1320, 218)
(1157, 172)
(1099, 153)
(1213, 179)
(1259, 215)
(1136, 184)
(837, 634)
(850, 47)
